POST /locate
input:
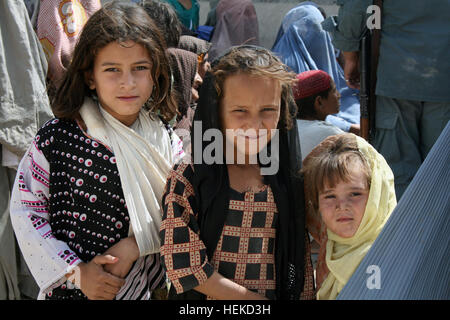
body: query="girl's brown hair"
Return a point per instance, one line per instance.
(329, 163)
(119, 22)
(258, 62)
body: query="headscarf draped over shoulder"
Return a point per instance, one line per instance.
(343, 255)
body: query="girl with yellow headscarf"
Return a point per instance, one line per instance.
(350, 195)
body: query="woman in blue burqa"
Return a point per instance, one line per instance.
(303, 45)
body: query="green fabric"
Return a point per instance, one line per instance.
(189, 18)
(405, 132)
(24, 107)
(24, 104)
(16, 281)
(415, 41)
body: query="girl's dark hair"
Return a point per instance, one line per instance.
(306, 105)
(115, 22)
(257, 61)
(167, 20)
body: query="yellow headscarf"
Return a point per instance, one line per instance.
(343, 255)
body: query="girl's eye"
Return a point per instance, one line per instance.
(355, 194)
(239, 110)
(269, 110)
(111, 70)
(329, 196)
(139, 68)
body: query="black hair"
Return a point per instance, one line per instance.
(305, 105)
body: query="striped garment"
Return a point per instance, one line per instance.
(410, 258)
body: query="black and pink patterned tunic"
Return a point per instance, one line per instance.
(70, 191)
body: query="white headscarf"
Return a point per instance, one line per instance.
(144, 158)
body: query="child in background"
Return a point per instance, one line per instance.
(85, 204)
(199, 47)
(349, 191)
(228, 232)
(316, 97)
(184, 66)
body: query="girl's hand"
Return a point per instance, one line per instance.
(127, 251)
(97, 284)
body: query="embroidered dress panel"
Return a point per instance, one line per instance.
(246, 249)
(70, 185)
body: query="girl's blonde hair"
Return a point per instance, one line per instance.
(329, 163)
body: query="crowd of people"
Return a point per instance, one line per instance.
(108, 114)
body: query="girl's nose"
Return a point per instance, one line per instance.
(128, 80)
(341, 203)
(255, 123)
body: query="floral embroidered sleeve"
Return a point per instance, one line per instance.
(183, 252)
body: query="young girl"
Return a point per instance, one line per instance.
(228, 232)
(85, 205)
(316, 97)
(349, 190)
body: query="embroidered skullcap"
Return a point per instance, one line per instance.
(310, 83)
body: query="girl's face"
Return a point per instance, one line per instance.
(122, 79)
(250, 109)
(342, 207)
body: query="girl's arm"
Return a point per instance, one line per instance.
(48, 258)
(221, 288)
(183, 254)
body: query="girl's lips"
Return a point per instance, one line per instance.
(263, 135)
(344, 219)
(128, 98)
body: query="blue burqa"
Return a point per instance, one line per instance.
(303, 45)
(410, 258)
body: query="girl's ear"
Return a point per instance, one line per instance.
(89, 80)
